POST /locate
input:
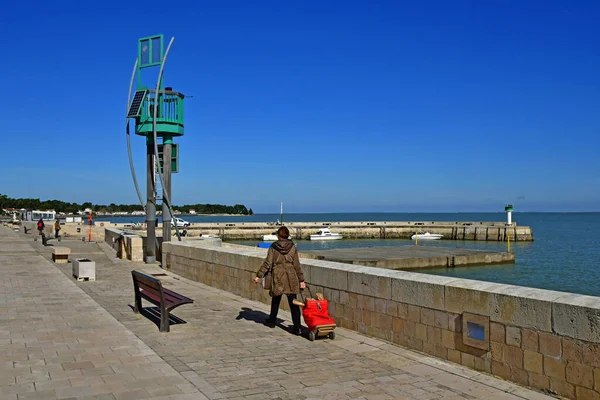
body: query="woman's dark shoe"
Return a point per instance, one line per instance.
(270, 322)
(296, 331)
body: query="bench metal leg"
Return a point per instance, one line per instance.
(164, 320)
(137, 303)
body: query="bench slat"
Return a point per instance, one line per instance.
(150, 288)
(173, 297)
(151, 294)
(169, 299)
(150, 284)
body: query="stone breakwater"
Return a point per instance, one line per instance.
(481, 231)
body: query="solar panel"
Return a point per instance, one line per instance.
(136, 103)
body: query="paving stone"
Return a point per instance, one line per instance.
(74, 392)
(38, 395)
(164, 391)
(105, 396)
(51, 385)
(17, 389)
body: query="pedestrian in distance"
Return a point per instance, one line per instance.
(41, 226)
(56, 229)
(283, 267)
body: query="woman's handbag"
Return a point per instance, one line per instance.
(267, 280)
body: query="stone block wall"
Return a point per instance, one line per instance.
(127, 246)
(543, 339)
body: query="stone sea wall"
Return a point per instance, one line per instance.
(543, 339)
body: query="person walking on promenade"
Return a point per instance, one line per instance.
(40, 227)
(56, 229)
(286, 274)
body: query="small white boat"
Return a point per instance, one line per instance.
(427, 236)
(325, 234)
(209, 235)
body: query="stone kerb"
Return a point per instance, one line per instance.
(199, 251)
(539, 338)
(577, 316)
(523, 307)
(419, 289)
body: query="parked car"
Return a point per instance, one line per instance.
(181, 223)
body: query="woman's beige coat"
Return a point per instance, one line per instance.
(287, 273)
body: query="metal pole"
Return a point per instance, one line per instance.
(158, 86)
(90, 230)
(150, 204)
(166, 171)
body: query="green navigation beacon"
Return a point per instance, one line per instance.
(158, 115)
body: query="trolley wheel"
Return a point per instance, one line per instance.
(331, 335)
(311, 336)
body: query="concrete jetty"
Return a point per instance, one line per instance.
(64, 339)
(481, 231)
(413, 257)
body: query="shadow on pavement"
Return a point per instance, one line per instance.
(153, 314)
(258, 317)
(253, 315)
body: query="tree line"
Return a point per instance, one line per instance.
(71, 208)
(238, 209)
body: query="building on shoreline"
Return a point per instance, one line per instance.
(34, 215)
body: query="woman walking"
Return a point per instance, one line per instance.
(286, 274)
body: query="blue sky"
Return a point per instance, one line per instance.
(326, 106)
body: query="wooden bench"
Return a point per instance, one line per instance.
(152, 290)
(61, 254)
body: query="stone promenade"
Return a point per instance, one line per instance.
(63, 339)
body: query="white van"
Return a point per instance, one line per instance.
(180, 222)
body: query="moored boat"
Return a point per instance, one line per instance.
(269, 238)
(326, 234)
(427, 236)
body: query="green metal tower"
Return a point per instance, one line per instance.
(158, 116)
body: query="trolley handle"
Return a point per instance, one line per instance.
(309, 291)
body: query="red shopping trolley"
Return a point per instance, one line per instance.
(316, 316)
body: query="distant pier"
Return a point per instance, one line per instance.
(480, 231)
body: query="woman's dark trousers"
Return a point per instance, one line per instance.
(276, 300)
